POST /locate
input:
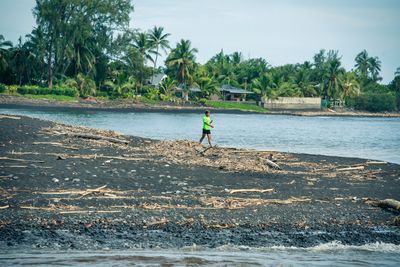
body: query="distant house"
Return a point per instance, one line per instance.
(230, 93)
(156, 79)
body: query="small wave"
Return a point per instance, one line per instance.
(377, 246)
(326, 247)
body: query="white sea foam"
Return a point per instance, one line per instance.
(326, 247)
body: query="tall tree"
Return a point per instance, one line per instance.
(333, 69)
(351, 86)
(158, 40)
(362, 63)
(368, 67)
(68, 25)
(182, 59)
(4, 46)
(143, 45)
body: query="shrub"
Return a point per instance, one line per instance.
(12, 89)
(203, 101)
(2, 88)
(374, 102)
(35, 90)
(150, 92)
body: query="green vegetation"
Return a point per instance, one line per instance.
(87, 48)
(35, 90)
(234, 105)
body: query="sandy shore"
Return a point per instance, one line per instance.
(59, 190)
(9, 101)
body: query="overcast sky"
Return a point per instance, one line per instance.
(284, 31)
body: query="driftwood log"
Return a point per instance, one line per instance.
(272, 164)
(388, 204)
(385, 204)
(98, 137)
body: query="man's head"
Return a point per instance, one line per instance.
(207, 112)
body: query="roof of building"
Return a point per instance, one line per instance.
(156, 79)
(233, 90)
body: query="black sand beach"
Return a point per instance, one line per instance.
(59, 190)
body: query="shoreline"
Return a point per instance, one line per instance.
(9, 101)
(62, 191)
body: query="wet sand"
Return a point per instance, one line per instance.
(59, 190)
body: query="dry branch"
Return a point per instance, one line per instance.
(9, 117)
(237, 203)
(232, 191)
(351, 168)
(21, 160)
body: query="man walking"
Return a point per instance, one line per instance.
(207, 128)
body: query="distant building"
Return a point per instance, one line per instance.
(156, 79)
(230, 93)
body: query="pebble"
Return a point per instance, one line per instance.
(76, 180)
(66, 179)
(55, 180)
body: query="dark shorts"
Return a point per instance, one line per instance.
(206, 131)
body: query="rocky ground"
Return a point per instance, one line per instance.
(59, 189)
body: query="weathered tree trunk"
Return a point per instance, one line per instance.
(98, 137)
(388, 204)
(49, 66)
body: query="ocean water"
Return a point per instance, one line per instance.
(330, 254)
(371, 138)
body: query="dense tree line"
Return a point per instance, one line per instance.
(88, 45)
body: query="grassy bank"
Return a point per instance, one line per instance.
(235, 105)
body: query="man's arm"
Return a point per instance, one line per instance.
(209, 124)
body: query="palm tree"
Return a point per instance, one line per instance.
(158, 40)
(142, 43)
(182, 58)
(332, 83)
(368, 67)
(20, 60)
(265, 86)
(374, 68)
(397, 72)
(236, 58)
(208, 86)
(167, 86)
(362, 63)
(350, 85)
(4, 45)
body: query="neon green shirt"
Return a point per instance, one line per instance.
(208, 121)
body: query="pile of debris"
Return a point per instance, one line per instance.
(87, 133)
(228, 159)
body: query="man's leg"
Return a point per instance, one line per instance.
(209, 139)
(202, 138)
